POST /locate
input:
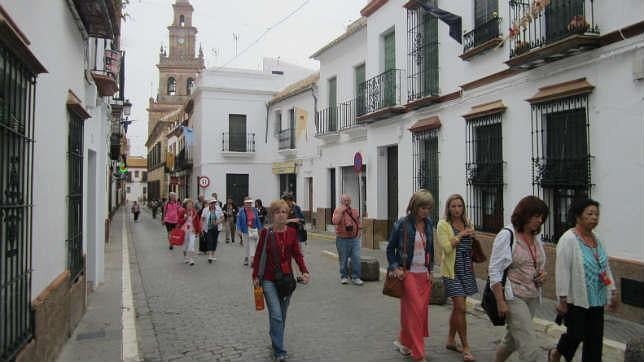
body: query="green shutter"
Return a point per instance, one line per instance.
(390, 75)
(430, 58)
(360, 89)
(390, 51)
(333, 104)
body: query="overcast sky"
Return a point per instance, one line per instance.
(145, 29)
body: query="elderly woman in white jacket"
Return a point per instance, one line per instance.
(585, 285)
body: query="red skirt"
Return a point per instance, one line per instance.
(414, 313)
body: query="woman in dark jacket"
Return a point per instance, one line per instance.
(410, 253)
(288, 248)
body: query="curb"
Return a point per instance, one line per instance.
(549, 328)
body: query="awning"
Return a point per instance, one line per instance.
(485, 109)
(75, 106)
(283, 167)
(562, 90)
(426, 124)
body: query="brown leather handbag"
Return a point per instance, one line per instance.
(393, 286)
(478, 256)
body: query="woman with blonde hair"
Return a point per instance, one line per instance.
(278, 246)
(410, 254)
(455, 238)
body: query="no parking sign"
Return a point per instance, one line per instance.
(357, 162)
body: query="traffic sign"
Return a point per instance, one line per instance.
(357, 161)
(204, 182)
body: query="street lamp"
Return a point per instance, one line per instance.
(127, 108)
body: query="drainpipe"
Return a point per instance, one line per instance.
(315, 106)
(266, 130)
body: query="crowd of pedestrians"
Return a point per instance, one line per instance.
(517, 263)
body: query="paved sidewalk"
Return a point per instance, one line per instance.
(98, 336)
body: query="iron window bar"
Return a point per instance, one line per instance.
(237, 142)
(422, 56)
(484, 172)
(561, 159)
(286, 139)
(426, 158)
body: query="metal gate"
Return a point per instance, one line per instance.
(236, 187)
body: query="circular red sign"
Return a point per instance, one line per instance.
(357, 161)
(204, 182)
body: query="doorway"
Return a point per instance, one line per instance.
(236, 187)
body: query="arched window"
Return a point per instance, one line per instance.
(190, 83)
(182, 20)
(172, 86)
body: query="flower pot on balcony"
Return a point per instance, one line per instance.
(578, 25)
(521, 47)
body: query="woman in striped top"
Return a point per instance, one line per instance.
(455, 237)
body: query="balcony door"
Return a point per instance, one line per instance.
(390, 65)
(333, 104)
(237, 132)
(360, 89)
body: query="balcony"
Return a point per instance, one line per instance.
(184, 159)
(101, 18)
(562, 29)
(484, 37)
(105, 65)
(341, 117)
(115, 146)
(237, 144)
(286, 139)
(381, 96)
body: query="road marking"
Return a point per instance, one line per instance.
(130, 348)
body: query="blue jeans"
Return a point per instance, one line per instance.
(348, 248)
(276, 316)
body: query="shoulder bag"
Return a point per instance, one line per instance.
(488, 302)
(393, 286)
(478, 256)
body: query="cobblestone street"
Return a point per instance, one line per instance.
(206, 312)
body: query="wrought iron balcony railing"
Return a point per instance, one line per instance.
(237, 142)
(481, 33)
(340, 116)
(184, 159)
(559, 20)
(286, 139)
(381, 91)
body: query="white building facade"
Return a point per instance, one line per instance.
(229, 118)
(136, 185)
(551, 112)
(58, 118)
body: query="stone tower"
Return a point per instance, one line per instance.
(178, 66)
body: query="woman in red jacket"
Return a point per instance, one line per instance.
(190, 222)
(285, 240)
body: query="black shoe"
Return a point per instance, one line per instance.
(170, 247)
(209, 261)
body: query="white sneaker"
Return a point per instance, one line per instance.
(192, 262)
(401, 348)
(344, 281)
(186, 261)
(357, 281)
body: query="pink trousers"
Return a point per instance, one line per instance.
(414, 313)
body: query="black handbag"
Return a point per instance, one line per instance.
(488, 302)
(285, 283)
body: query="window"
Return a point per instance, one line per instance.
(425, 156)
(75, 197)
(360, 77)
(190, 83)
(422, 60)
(390, 67)
(136, 173)
(278, 123)
(17, 102)
(182, 20)
(486, 24)
(237, 132)
(145, 190)
(484, 172)
(560, 158)
(127, 189)
(172, 86)
(333, 104)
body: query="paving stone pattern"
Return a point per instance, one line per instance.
(206, 312)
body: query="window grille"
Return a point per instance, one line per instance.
(484, 172)
(422, 59)
(75, 197)
(425, 154)
(560, 158)
(172, 86)
(17, 103)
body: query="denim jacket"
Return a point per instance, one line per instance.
(242, 226)
(394, 248)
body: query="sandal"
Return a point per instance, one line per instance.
(452, 347)
(468, 357)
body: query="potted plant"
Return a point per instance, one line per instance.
(521, 47)
(578, 24)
